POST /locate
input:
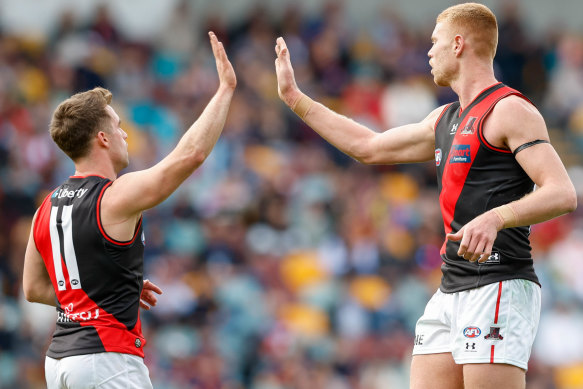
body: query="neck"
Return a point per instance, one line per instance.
(471, 83)
(89, 167)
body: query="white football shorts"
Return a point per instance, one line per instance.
(495, 323)
(106, 370)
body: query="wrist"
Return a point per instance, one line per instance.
(301, 105)
(225, 89)
(506, 215)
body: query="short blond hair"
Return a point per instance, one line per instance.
(475, 21)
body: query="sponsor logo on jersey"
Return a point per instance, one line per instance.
(494, 334)
(70, 316)
(469, 127)
(460, 154)
(438, 157)
(138, 343)
(453, 129)
(419, 340)
(64, 192)
(472, 332)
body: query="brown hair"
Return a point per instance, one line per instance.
(77, 119)
(475, 21)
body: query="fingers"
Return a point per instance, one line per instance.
(149, 285)
(281, 49)
(217, 46)
(455, 237)
(280, 46)
(214, 42)
(148, 300)
(471, 248)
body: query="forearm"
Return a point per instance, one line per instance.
(543, 204)
(342, 132)
(200, 138)
(40, 290)
(45, 295)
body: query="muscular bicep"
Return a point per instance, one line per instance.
(132, 193)
(519, 126)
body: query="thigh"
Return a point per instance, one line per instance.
(51, 373)
(493, 376)
(433, 329)
(497, 323)
(121, 371)
(436, 371)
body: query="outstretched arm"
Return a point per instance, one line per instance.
(134, 192)
(512, 123)
(409, 143)
(35, 279)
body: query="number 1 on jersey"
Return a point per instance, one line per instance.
(62, 226)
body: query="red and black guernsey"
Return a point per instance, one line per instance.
(474, 177)
(97, 279)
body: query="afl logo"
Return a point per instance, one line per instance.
(437, 157)
(472, 332)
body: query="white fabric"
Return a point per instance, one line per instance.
(465, 323)
(106, 370)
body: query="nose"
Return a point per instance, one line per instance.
(124, 134)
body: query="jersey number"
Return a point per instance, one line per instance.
(62, 242)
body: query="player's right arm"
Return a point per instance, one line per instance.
(409, 143)
(135, 192)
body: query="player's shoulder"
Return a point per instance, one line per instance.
(515, 112)
(515, 107)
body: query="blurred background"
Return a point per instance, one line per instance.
(284, 263)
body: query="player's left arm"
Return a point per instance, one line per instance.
(517, 125)
(36, 282)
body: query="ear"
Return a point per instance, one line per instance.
(459, 45)
(102, 139)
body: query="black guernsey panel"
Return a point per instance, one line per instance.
(97, 280)
(474, 177)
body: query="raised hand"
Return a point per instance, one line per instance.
(286, 83)
(226, 72)
(148, 298)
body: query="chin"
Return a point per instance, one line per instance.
(441, 81)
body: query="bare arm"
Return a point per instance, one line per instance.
(134, 192)
(36, 282)
(514, 122)
(409, 143)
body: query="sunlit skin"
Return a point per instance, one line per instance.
(442, 55)
(119, 151)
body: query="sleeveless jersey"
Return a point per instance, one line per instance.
(474, 177)
(97, 279)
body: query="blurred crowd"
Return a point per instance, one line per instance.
(284, 263)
